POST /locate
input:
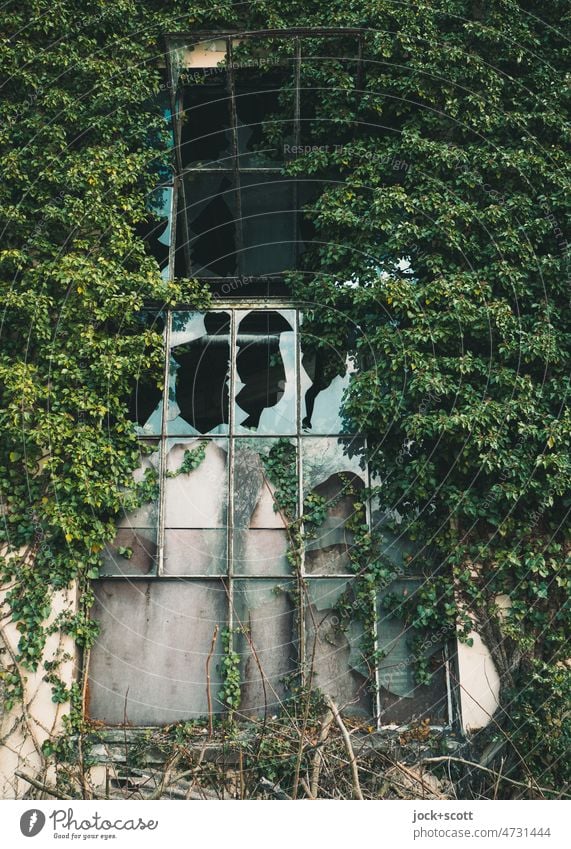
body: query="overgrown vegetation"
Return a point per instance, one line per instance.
(451, 158)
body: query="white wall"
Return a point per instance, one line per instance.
(28, 724)
(479, 684)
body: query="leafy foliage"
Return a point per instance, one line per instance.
(440, 236)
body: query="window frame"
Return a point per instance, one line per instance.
(233, 301)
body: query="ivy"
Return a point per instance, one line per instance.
(191, 460)
(441, 237)
(229, 668)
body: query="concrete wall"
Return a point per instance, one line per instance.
(479, 684)
(27, 725)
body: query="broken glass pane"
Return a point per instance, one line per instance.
(211, 212)
(334, 653)
(132, 552)
(324, 457)
(199, 373)
(145, 399)
(329, 542)
(148, 666)
(402, 699)
(266, 372)
(156, 229)
(196, 484)
(325, 377)
(134, 549)
(265, 640)
(195, 551)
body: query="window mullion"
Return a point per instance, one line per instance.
(375, 618)
(175, 98)
(231, 453)
(231, 83)
(297, 137)
(300, 577)
(163, 447)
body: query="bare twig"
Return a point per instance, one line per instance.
(166, 776)
(348, 747)
(492, 772)
(318, 756)
(45, 788)
(208, 693)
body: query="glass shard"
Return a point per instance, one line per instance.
(266, 372)
(199, 373)
(334, 654)
(402, 699)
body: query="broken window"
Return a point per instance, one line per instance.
(216, 549)
(254, 482)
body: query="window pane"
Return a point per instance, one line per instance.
(134, 549)
(196, 486)
(329, 542)
(205, 128)
(265, 483)
(132, 552)
(211, 211)
(325, 376)
(199, 373)
(269, 224)
(156, 230)
(265, 502)
(195, 551)
(324, 457)
(266, 372)
(402, 699)
(147, 475)
(264, 111)
(145, 402)
(265, 641)
(149, 663)
(334, 652)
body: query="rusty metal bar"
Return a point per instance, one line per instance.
(231, 85)
(296, 141)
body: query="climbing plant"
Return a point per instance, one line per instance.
(440, 235)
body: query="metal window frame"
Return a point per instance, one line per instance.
(240, 304)
(172, 41)
(228, 577)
